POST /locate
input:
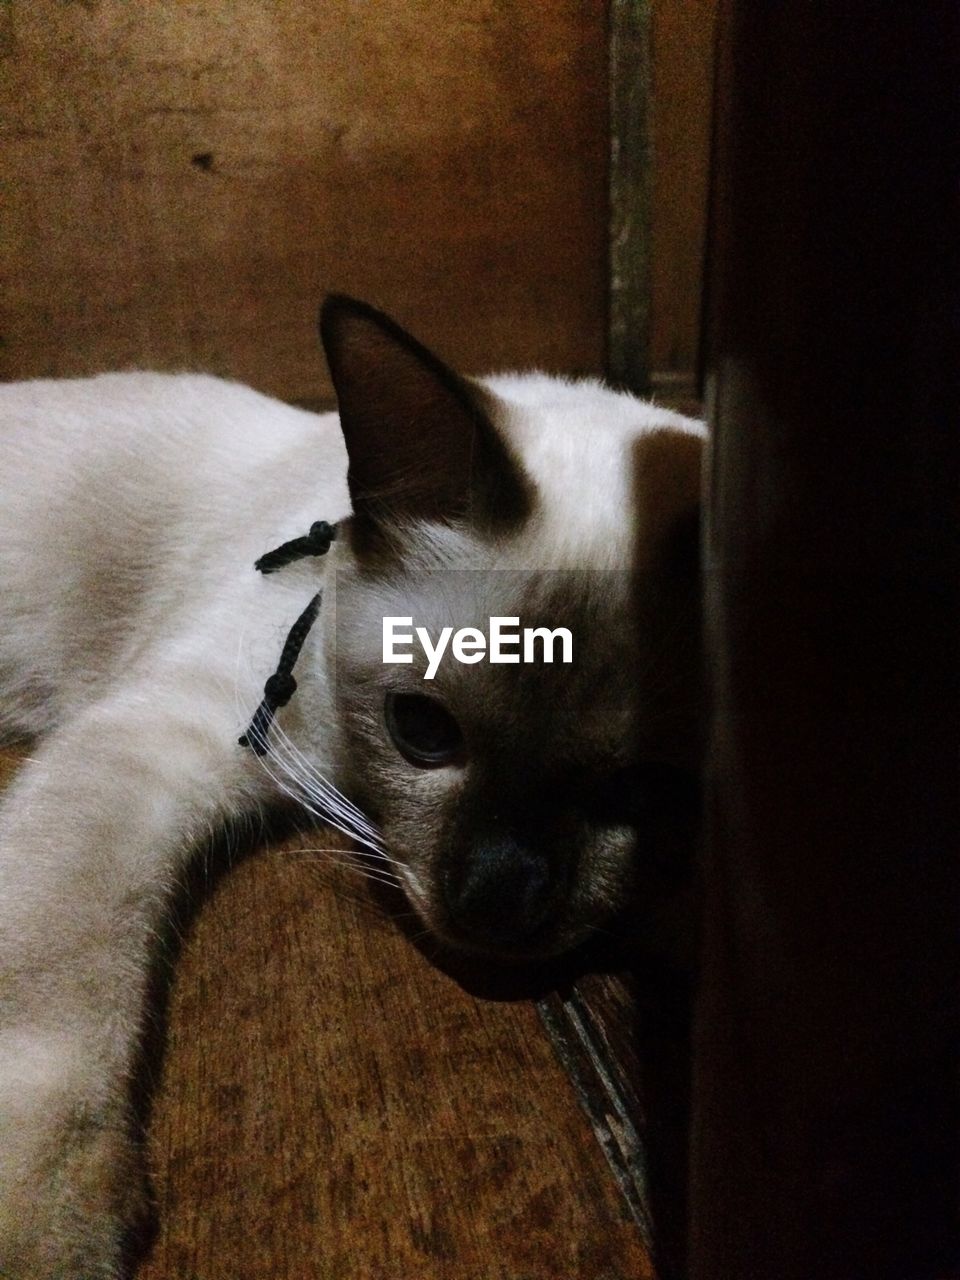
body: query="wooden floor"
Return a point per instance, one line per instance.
(325, 1101)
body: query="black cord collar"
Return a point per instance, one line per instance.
(316, 543)
(281, 686)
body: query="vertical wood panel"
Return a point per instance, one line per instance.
(631, 183)
(683, 53)
(661, 69)
(825, 1138)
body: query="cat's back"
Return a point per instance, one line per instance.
(113, 419)
(89, 463)
(125, 495)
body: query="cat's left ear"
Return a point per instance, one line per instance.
(420, 440)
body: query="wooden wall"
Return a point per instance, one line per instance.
(682, 55)
(183, 181)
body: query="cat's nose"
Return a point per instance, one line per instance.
(500, 893)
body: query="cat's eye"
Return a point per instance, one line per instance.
(422, 729)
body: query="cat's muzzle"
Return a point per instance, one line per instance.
(501, 896)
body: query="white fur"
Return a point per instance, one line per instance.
(574, 439)
(134, 639)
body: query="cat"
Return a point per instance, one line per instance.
(519, 806)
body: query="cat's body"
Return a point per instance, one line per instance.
(135, 637)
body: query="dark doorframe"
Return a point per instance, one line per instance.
(825, 1104)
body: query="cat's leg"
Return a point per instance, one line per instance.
(93, 834)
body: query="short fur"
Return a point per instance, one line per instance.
(135, 637)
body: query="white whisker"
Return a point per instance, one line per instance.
(344, 860)
(309, 774)
(297, 777)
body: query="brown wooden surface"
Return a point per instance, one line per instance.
(623, 1037)
(826, 1140)
(631, 185)
(184, 182)
(330, 1103)
(682, 54)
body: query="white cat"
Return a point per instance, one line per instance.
(517, 806)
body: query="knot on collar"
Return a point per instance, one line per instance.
(315, 543)
(279, 688)
(320, 536)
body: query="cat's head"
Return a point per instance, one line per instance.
(527, 802)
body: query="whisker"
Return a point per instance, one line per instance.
(308, 772)
(322, 792)
(331, 801)
(298, 779)
(344, 861)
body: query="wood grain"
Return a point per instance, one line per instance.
(682, 34)
(631, 184)
(331, 1103)
(184, 182)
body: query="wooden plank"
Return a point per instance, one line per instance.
(661, 75)
(580, 1030)
(623, 1035)
(683, 39)
(631, 179)
(332, 1103)
(183, 182)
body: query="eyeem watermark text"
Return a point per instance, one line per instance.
(506, 643)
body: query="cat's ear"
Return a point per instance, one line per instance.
(420, 440)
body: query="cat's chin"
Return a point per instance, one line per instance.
(549, 943)
(532, 953)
